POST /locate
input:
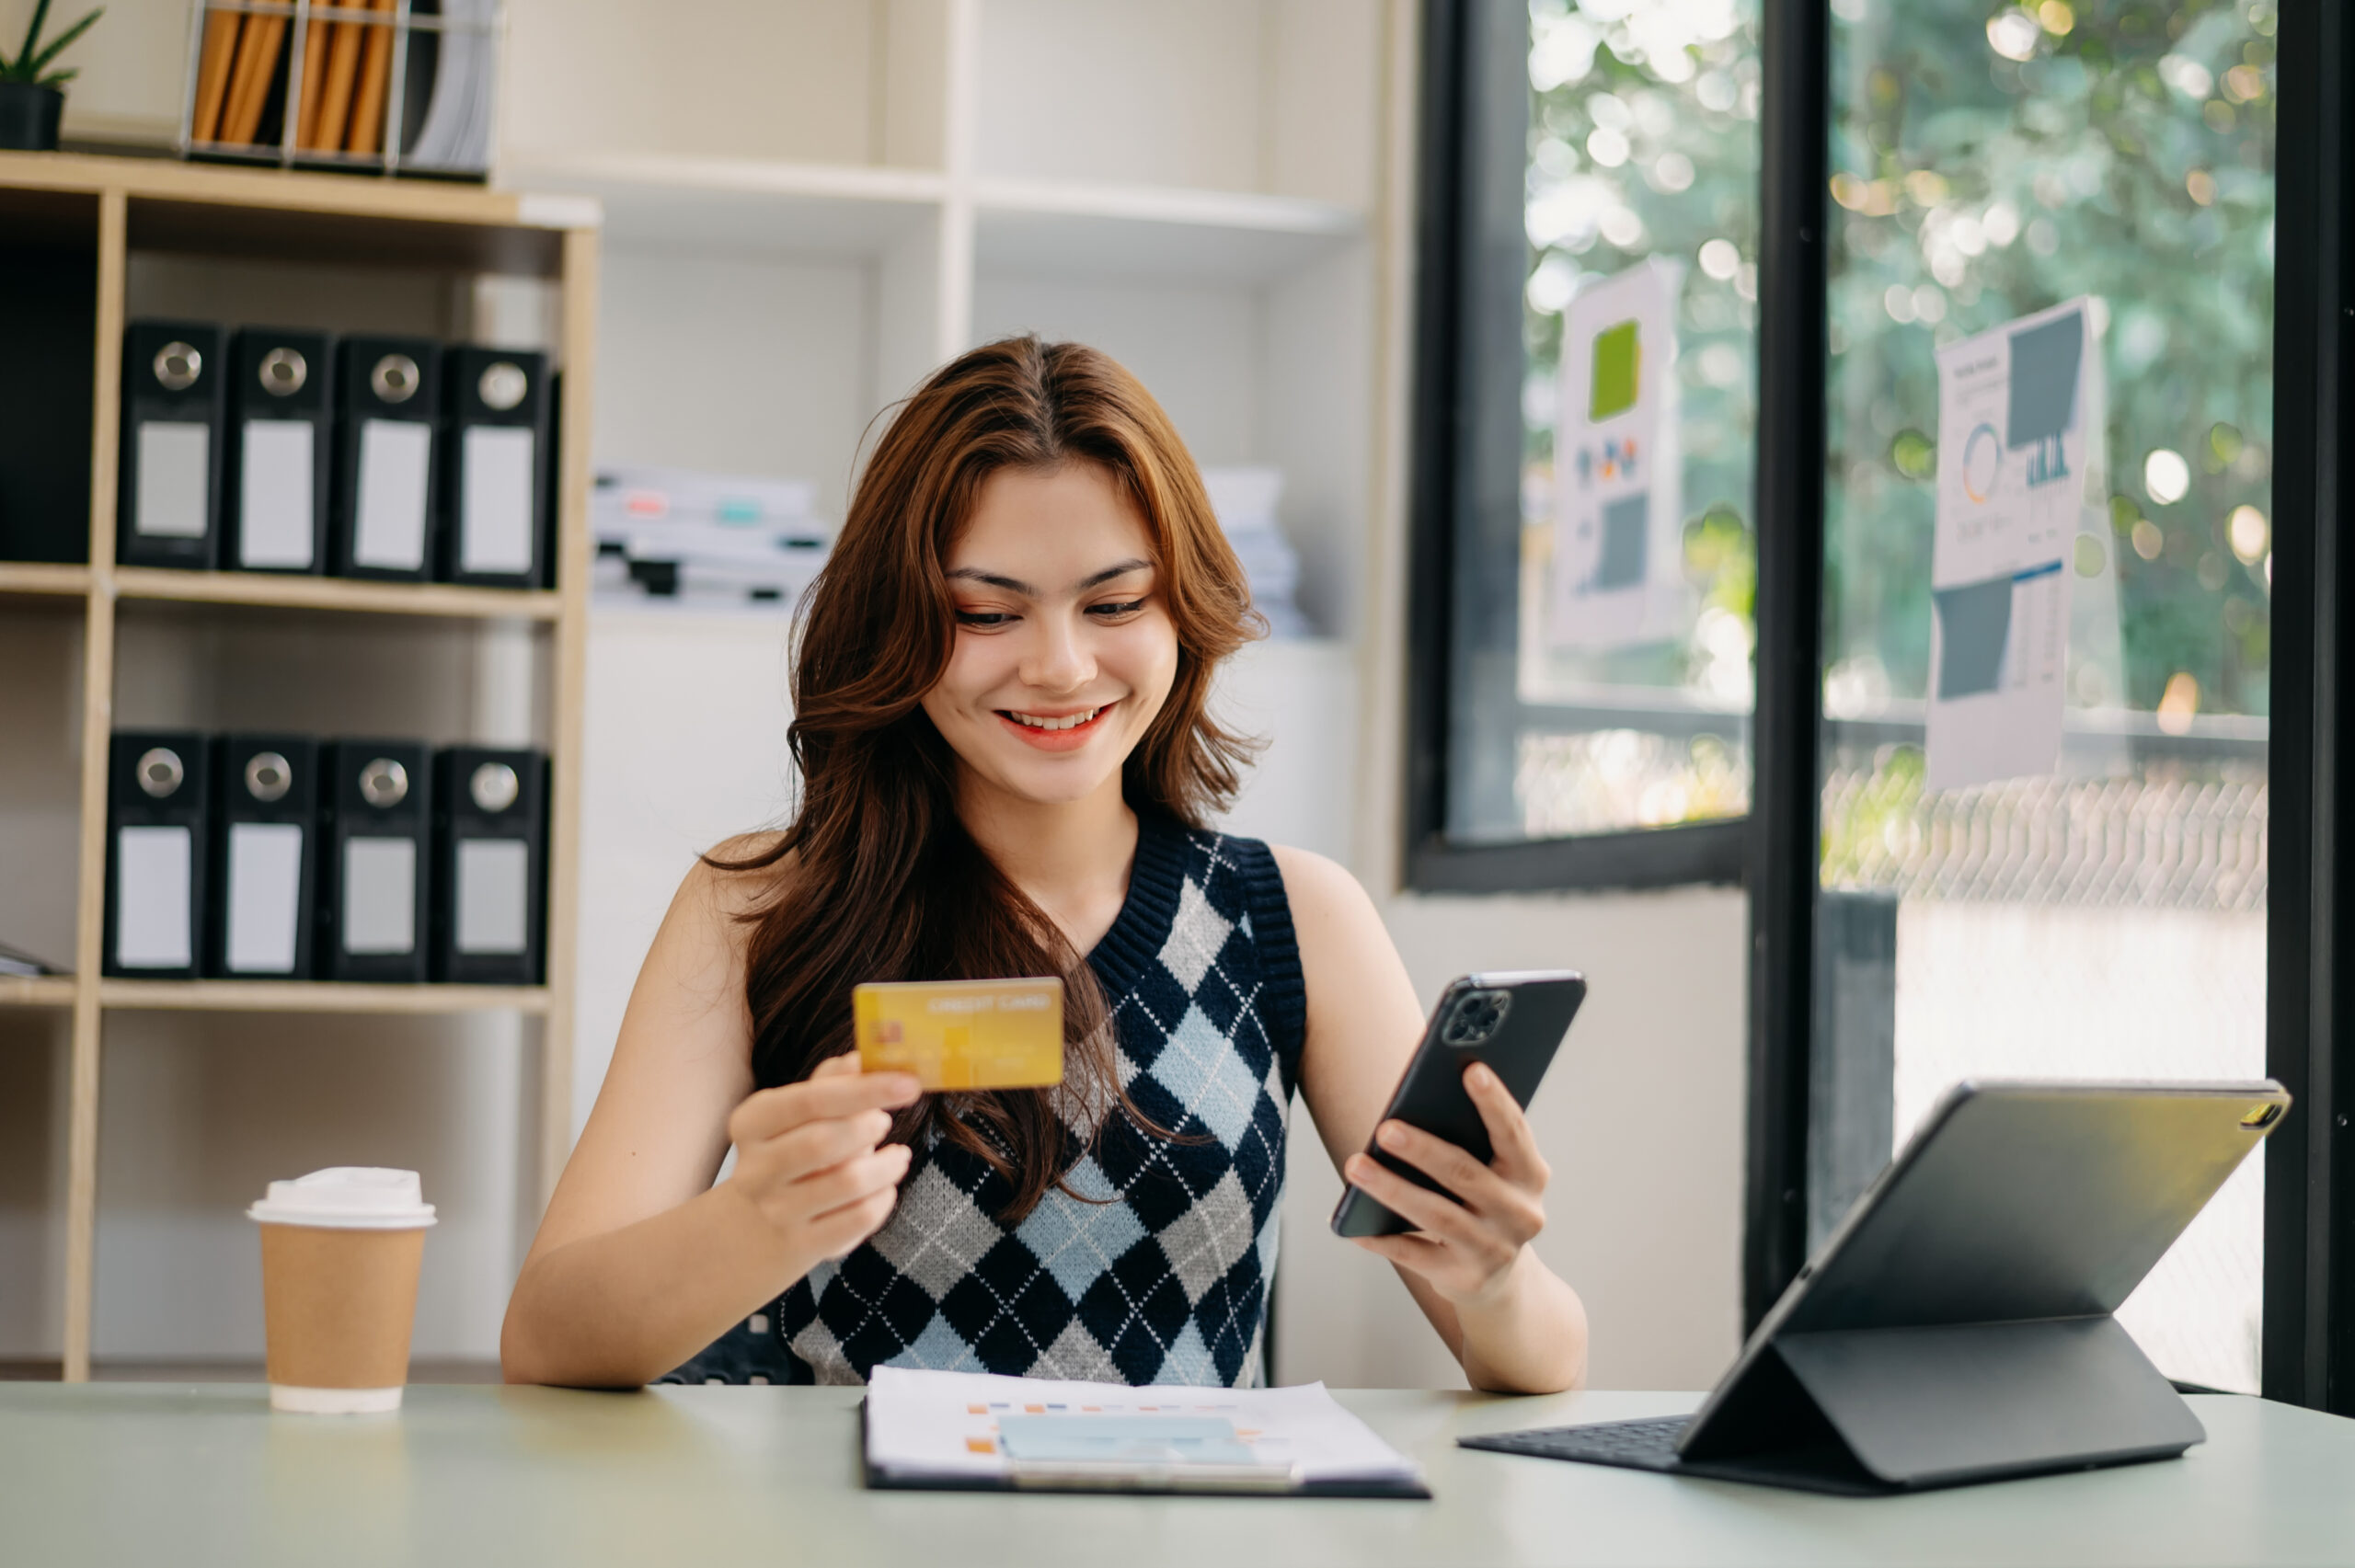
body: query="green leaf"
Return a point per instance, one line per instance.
(59, 78)
(32, 34)
(68, 36)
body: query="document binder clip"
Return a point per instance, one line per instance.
(280, 411)
(490, 866)
(498, 401)
(155, 853)
(173, 405)
(265, 792)
(386, 508)
(375, 868)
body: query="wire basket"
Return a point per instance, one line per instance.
(373, 87)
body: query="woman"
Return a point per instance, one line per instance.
(1000, 716)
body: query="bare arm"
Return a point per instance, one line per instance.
(1510, 1323)
(640, 1261)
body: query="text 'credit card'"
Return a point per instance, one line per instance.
(963, 1034)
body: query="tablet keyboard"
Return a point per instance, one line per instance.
(1648, 1444)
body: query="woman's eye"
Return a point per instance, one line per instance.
(1115, 611)
(982, 618)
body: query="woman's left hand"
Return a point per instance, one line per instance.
(1466, 1247)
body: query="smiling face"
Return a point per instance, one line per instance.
(1064, 651)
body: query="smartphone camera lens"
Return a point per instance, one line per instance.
(1477, 1017)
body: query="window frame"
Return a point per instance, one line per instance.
(1466, 400)
(2308, 1330)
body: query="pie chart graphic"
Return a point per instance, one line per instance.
(1982, 456)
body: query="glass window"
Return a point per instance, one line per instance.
(2104, 916)
(1600, 670)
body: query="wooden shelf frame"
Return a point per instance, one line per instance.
(158, 204)
(291, 592)
(36, 990)
(39, 578)
(316, 996)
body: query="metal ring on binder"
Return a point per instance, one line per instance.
(284, 371)
(268, 777)
(503, 386)
(178, 365)
(395, 378)
(384, 783)
(494, 786)
(159, 771)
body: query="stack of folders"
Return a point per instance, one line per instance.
(289, 857)
(968, 1431)
(1245, 501)
(704, 539)
(400, 459)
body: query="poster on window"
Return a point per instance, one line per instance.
(1618, 518)
(2020, 437)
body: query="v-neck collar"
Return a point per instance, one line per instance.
(1141, 929)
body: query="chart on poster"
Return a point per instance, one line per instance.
(1619, 518)
(2020, 433)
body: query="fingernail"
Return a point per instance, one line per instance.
(1391, 1135)
(1483, 1075)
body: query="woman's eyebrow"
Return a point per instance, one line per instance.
(1011, 585)
(1016, 585)
(1134, 564)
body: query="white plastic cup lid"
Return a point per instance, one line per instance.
(348, 1197)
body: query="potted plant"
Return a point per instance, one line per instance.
(31, 94)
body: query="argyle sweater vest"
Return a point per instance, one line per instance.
(1153, 1267)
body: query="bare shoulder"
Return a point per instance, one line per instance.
(735, 878)
(1317, 887)
(703, 932)
(1331, 914)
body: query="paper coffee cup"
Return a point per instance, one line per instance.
(339, 1254)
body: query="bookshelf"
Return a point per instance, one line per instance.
(127, 647)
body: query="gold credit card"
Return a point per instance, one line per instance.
(962, 1034)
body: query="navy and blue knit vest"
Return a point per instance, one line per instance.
(1153, 1267)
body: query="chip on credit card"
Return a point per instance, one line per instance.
(962, 1034)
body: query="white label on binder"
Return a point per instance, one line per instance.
(495, 507)
(274, 508)
(151, 898)
(494, 877)
(175, 473)
(379, 896)
(265, 897)
(389, 532)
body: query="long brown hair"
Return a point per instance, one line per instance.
(883, 882)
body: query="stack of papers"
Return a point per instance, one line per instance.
(675, 534)
(456, 131)
(972, 1430)
(1245, 501)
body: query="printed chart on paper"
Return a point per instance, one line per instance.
(2019, 429)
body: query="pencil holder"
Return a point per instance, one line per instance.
(374, 86)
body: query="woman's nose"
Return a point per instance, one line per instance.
(1058, 659)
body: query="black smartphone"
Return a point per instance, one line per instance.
(1514, 1023)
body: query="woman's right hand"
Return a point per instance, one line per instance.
(807, 1160)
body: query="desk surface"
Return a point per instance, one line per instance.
(128, 1473)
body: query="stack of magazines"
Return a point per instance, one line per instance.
(711, 540)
